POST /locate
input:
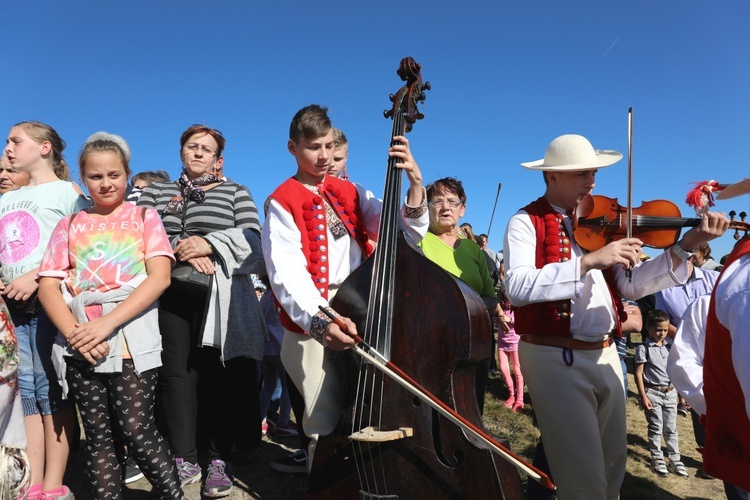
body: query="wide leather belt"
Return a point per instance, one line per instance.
(566, 342)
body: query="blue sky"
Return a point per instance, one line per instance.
(507, 77)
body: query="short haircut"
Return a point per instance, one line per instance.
(310, 122)
(655, 316)
(704, 249)
(151, 176)
(339, 139)
(446, 185)
(203, 129)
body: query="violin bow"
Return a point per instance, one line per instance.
(397, 375)
(629, 213)
(497, 196)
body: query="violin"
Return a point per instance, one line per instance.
(600, 220)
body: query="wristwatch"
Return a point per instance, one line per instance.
(681, 252)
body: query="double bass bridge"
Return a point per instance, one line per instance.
(374, 435)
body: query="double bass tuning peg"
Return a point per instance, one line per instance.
(426, 86)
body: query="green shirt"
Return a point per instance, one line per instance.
(467, 262)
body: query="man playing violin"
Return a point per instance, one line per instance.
(569, 313)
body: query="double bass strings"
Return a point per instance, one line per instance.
(378, 329)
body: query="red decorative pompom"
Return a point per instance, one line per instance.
(701, 197)
(317, 200)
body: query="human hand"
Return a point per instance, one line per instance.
(192, 247)
(646, 403)
(713, 225)
(408, 164)
(22, 288)
(86, 336)
(203, 265)
(624, 252)
(337, 339)
(96, 353)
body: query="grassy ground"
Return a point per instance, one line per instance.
(258, 481)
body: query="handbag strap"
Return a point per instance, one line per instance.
(183, 234)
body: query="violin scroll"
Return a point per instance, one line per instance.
(738, 225)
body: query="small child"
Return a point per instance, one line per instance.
(507, 350)
(113, 262)
(658, 395)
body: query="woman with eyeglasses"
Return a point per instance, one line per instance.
(459, 256)
(210, 337)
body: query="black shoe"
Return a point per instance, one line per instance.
(132, 471)
(294, 463)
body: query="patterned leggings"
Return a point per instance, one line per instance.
(129, 399)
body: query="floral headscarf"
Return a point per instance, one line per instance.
(191, 190)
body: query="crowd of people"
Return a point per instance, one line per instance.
(173, 320)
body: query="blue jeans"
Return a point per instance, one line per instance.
(36, 334)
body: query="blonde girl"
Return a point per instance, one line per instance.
(27, 217)
(114, 261)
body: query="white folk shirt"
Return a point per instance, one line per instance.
(287, 265)
(733, 311)
(685, 364)
(592, 313)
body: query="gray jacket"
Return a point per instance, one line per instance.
(233, 308)
(141, 334)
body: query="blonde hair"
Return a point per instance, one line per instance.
(40, 133)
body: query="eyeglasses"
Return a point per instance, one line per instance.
(452, 203)
(194, 147)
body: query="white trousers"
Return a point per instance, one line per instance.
(318, 379)
(581, 414)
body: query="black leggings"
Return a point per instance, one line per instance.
(129, 399)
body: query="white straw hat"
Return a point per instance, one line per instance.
(573, 152)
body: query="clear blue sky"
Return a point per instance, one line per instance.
(507, 78)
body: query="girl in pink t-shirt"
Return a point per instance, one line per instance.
(114, 262)
(507, 354)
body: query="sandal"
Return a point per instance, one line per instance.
(678, 468)
(660, 467)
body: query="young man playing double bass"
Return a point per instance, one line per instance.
(569, 312)
(317, 231)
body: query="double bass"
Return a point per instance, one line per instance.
(388, 444)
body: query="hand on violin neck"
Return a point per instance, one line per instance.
(338, 339)
(713, 225)
(624, 252)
